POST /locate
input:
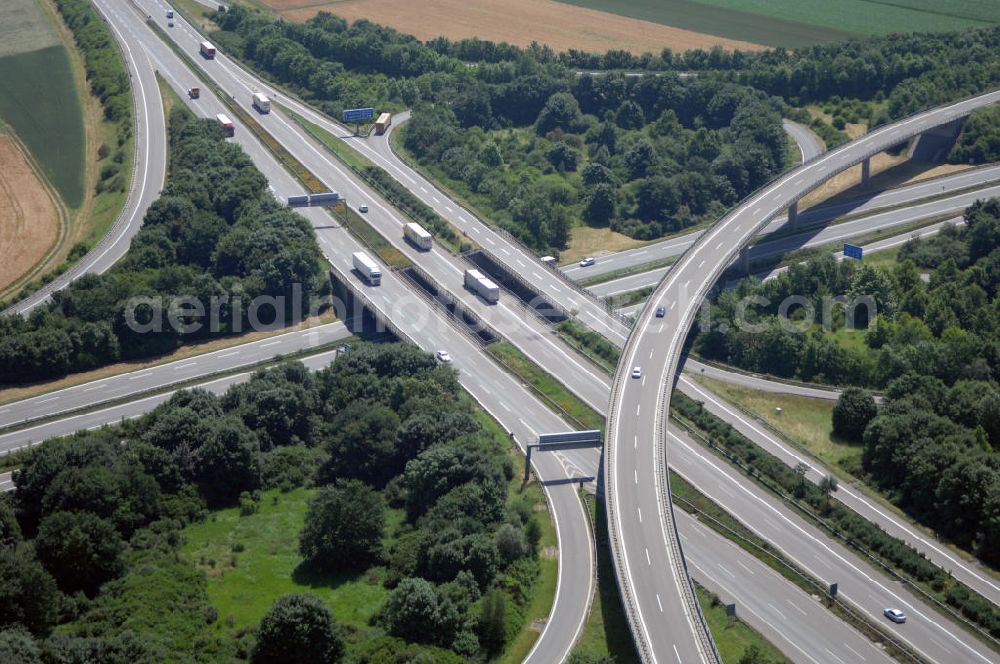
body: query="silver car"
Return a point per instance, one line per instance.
(895, 615)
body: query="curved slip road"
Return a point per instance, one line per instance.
(638, 442)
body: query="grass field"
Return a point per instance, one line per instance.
(806, 421)
(793, 23)
(517, 22)
(242, 585)
(46, 115)
(23, 28)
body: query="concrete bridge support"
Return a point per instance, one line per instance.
(866, 173)
(793, 216)
(745, 260)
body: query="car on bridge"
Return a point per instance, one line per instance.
(587, 262)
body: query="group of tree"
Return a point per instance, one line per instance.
(94, 520)
(215, 231)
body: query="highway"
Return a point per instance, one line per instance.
(818, 215)
(526, 417)
(657, 344)
(148, 173)
(817, 236)
(327, 247)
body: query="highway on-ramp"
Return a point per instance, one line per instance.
(648, 560)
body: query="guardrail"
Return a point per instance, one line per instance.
(879, 140)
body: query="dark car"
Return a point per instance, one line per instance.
(661, 312)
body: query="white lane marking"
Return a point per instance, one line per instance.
(448, 208)
(463, 220)
(270, 343)
(659, 603)
(503, 405)
(423, 189)
(435, 199)
(649, 561)
(635, 474)
(862, 657)
(184, 366)
(637, 406)
(796, 607)
(640, 514)
(775, 609)
(723, 568)
(95, 387)
(230, 354)
(678, 655)
(834, 656)
(745, 568)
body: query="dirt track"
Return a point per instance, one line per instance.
(518, 22)
(28, 218)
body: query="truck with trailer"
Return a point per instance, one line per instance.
(261, 102)
(367, 268)
(227, 125)
(477, 282)
(382, 123)
(418, 236)
(207, 50)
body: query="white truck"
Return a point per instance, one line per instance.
(418, 235)
(261, 102)
(207, 49)
(477, 282)
(367, 268)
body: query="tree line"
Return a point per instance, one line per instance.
(215, 231)
(92, 530)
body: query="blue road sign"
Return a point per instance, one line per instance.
(592, 436)
(358, 114)
(852, 251)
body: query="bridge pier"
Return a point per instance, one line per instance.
(866, 173)
(793, 216)
(745, 260)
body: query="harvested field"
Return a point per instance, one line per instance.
(519, 22)
(28, 217)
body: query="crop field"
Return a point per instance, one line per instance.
(23, 28)
(45, 114)
(793, 23)
(28, 217)
(519, 22)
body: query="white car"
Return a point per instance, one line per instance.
(362, 208)
(587, 262)
(636, 372)
(895, 615)
(443, 357)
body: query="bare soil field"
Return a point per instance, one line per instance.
(28, 217)
(519, 22)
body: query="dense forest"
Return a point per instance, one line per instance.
(89, 541)
(933, 347)
(216, 230)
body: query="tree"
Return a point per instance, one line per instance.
(10, 529)
(754, 655)
(363, 444)
(17, 647)
(412, 612)
(854, 410)
(630, 115)
(28, 594)
(640, 159)
(298, 629)
(80, 550)
(492, 631)
(599, 209)
(561, 110)
(563, 157)
(344, 527)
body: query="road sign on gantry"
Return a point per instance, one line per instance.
(852, 251)
(358, 114)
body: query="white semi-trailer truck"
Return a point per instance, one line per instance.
(418, 235)
(367, 268)
(477, 282)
